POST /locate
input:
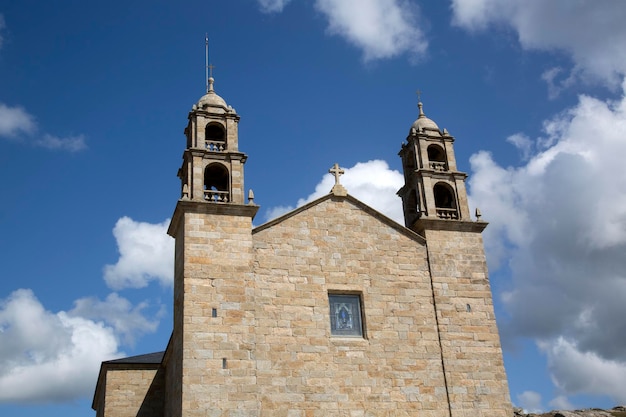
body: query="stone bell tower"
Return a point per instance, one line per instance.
(210, 350)
(212, 169)
(434, 189)
(435, 206)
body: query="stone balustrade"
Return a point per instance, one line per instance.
(216, 196)
(438, 166)
(447, 213)
(215, 145)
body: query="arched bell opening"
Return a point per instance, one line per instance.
(445, 203)
(216, 183)
(437, 158)
(215, 137)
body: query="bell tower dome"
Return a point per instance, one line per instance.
(434, 190)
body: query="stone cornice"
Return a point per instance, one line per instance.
(223, 156)
(450, 225)
(205, 207)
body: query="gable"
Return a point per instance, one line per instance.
(342, 235)
(342, 198)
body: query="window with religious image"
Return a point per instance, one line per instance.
(345, 315)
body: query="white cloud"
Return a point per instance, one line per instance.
(523, 143)
(530, 401)
(15, 120)
(127, 320)
(591, 32)
(49, 357)
(53, 357)
(273, 6)
(555, 84)
(380, 28)
(561, 220)
(146, 254)
(561, 402)
(576, 372)
(71, 143)
(371, 182)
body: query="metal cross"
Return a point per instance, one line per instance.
(419, 95)
(211, 66)
(336, 171)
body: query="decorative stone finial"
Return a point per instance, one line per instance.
(338, 189)
(211, 81)
(420, 106)
(478, 214)
(251, 197)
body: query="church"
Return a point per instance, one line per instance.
(332, 309)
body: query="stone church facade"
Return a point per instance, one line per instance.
(332, 309)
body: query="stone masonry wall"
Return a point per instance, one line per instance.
(134, 393)
(470, 342)
(218, 371)
(303, 371)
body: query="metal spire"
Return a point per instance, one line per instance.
(206, 60)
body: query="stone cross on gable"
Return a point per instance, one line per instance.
(338, 189)
(337, 172)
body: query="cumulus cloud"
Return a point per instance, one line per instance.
(53, 357)
(16, 123)
(379, 28)
(561, 402)
(372, 182)
(15, 120)
(523, 143)
(70, 143)
(557, 81)
(126, 319)
(575, 371)
(560, 220)
(49, 357)
(530, 401)
(146, 254)
(273, 6)
(591, 32)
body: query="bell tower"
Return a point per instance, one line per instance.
(212, 169)
(434, 189)
(435, 205)
(210, 350)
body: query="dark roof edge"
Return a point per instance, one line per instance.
(147, 358)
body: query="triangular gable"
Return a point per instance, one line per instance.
(358, 203)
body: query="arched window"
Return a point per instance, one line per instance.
(445, 202)
(215, 137)
(216, 184)
(437, 158)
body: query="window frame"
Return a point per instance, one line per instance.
(358, 319)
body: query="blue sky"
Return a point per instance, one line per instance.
(93, 103)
